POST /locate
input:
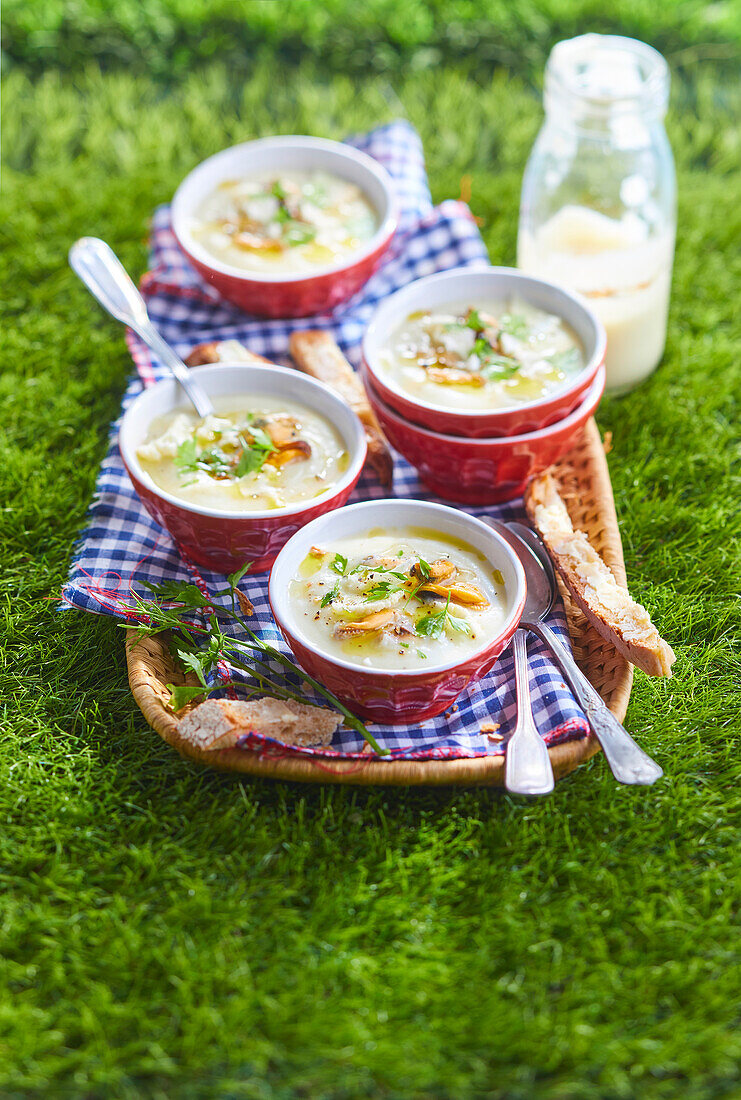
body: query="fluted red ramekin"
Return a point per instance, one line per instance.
(279, 295)
(483, 471)
(395, 695)
(223, 540)
(475, 286)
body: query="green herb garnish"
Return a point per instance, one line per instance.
(339, 564)
(382, 590)
(566, 360)
(514, 324)
(473, 320)
(297, 233)
(424, 569)
(493, 365)
(432, 626)
(331, 595)
(173, 608)
(186, 456)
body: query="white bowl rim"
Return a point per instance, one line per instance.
(358, 448)
(388, 225)
(278, 597)
(596, 385)
(518, 277)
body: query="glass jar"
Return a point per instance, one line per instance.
(598, 210)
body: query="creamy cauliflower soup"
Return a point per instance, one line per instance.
(481, 357)
(250, 455)
(402, 598)
(286, 223)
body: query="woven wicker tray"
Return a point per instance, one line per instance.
(584, 482)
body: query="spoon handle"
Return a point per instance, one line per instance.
(527, 768)
(105, 277)
(628, 762)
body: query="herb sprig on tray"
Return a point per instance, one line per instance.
(202, 648)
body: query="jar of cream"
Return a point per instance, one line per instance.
(598, 209)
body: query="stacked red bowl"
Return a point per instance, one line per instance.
(479, 455)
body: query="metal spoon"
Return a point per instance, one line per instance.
(627, 760)
(105, 277)
(527, 766)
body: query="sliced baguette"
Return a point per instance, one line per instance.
(219, 723)
(222, 351)
(607, 604)
(317, 353)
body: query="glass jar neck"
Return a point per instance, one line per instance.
(595, 82)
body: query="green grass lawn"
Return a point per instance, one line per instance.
(169, 932)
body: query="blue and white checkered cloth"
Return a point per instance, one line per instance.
(122, 546)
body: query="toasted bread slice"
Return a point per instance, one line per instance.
(607, 604)
(222, 351)
(219, 723)
(317, 353)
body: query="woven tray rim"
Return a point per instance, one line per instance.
(584, 481)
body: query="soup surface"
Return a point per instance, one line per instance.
(401, 598)
(482, 357)
(285, 223)
(252, 455)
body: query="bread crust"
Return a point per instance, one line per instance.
(222, 351)
(316, 353)
(219, 723)
(607, 604)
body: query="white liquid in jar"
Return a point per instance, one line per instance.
(624, 275)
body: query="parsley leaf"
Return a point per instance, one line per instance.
(339, 564)
(423, 568)
(566, 360)
(298, 233)
(473, 320)
(382, 590)
(331, 595)
(514, 324)
(458, 624)
(255, 451)
(432, 626)
(493, 365)
(186, 456)
(251, 460)
(259, 439)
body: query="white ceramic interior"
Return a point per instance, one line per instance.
(591, 396)
(290, 153)
(477, 284)
(239, 380)
(385, 514)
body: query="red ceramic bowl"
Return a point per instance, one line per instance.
(465, 286)
(483, 471)
(382, 694)
(275, 295)
(224, 541)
